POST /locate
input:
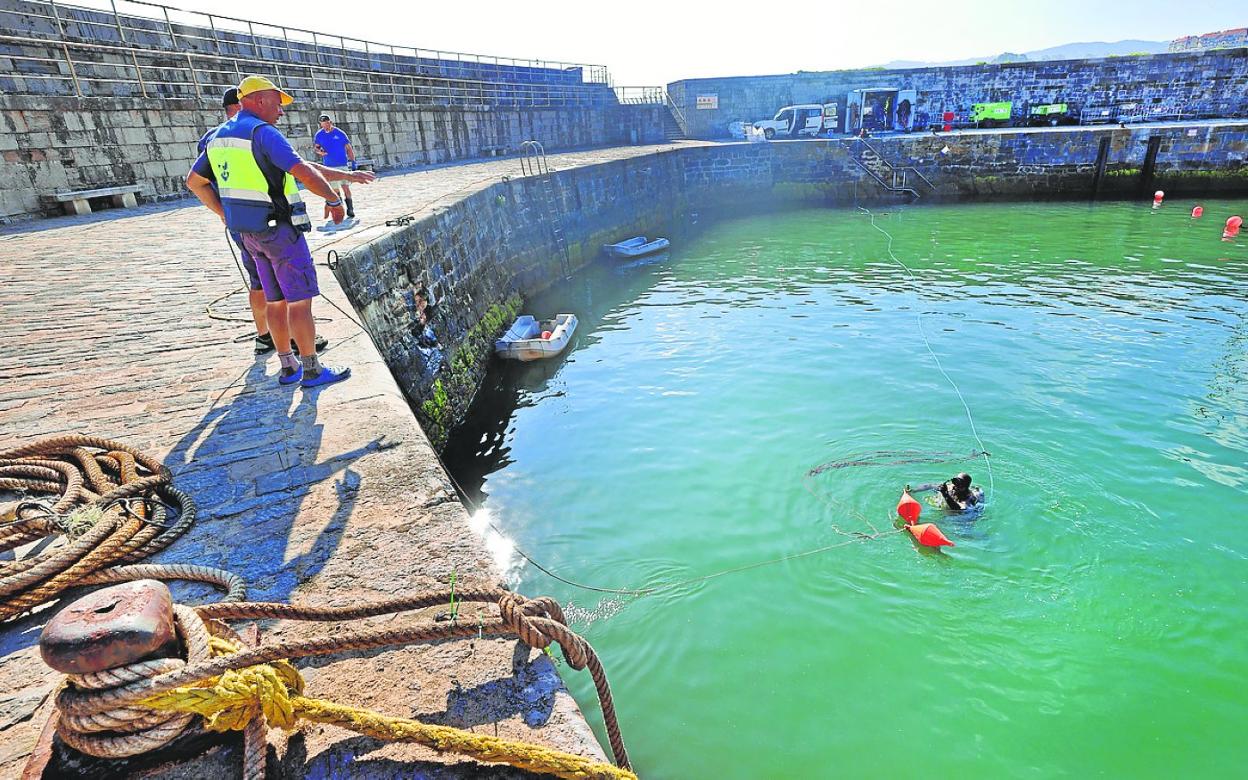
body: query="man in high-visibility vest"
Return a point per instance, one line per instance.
(255, 168)
(255, 291)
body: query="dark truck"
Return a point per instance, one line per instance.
(1050, 115)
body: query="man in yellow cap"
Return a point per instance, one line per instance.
(254, 168)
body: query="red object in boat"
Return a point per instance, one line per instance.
(546, 335)
(928, 535)
(909, 508)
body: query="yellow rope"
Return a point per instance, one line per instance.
(231, 701)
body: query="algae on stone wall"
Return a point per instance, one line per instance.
(1224, 175)
(458, 379)
(436, 412)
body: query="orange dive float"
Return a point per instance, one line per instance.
(926, 534)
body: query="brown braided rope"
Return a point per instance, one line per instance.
(130, 488)
(108, 701)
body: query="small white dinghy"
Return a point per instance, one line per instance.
(527, 337)
(636, 247)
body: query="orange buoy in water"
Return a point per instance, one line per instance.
(546, 335)
(908, 507)
(1197, 212)
(1232, 228)
(928, 535)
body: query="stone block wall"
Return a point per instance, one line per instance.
(435, 295)
(58, 144)
(220, 51)
(1210, 83)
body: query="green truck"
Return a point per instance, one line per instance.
(991, 114)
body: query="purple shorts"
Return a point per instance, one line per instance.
(249, 263)
(283, 263)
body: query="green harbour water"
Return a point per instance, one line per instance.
(1091, 622)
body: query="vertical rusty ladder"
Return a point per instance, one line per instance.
(533, 163)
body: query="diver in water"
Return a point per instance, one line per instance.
(957, 493)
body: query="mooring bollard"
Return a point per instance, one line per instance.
(112, 627)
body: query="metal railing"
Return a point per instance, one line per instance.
(677, 113)
(641, 96)
(1134, 113)
(533, 159)
(892, 186)
(651, 96)
(895, 178)
(101, 51)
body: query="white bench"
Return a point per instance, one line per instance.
(365, 164)
(78, 202)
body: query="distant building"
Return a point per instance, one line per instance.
(1224, 39)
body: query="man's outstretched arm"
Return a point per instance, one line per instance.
(353, 177)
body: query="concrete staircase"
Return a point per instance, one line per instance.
(671, 128)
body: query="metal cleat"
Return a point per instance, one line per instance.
(112, 627)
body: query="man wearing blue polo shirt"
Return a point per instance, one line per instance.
(255, 297)
(255, 171)
(334, 147)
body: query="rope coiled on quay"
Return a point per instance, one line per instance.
(144, 706)
(115, 504)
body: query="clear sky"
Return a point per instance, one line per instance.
(649, 42)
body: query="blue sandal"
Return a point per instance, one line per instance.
(327, 377)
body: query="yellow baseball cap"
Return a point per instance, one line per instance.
(253, 84)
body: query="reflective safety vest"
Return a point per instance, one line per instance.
(254, 193)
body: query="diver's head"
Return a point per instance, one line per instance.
(962, 481)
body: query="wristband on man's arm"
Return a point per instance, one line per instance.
(334, 204)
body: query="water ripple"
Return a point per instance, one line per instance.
(1103, 352)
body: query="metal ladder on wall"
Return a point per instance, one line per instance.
(894, 178)
(533, 163)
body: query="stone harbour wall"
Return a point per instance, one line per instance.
(1199, 161)
(435, 294)
(1196, 84)
(183, 53)
(61, 144)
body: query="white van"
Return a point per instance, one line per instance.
(809, 119)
